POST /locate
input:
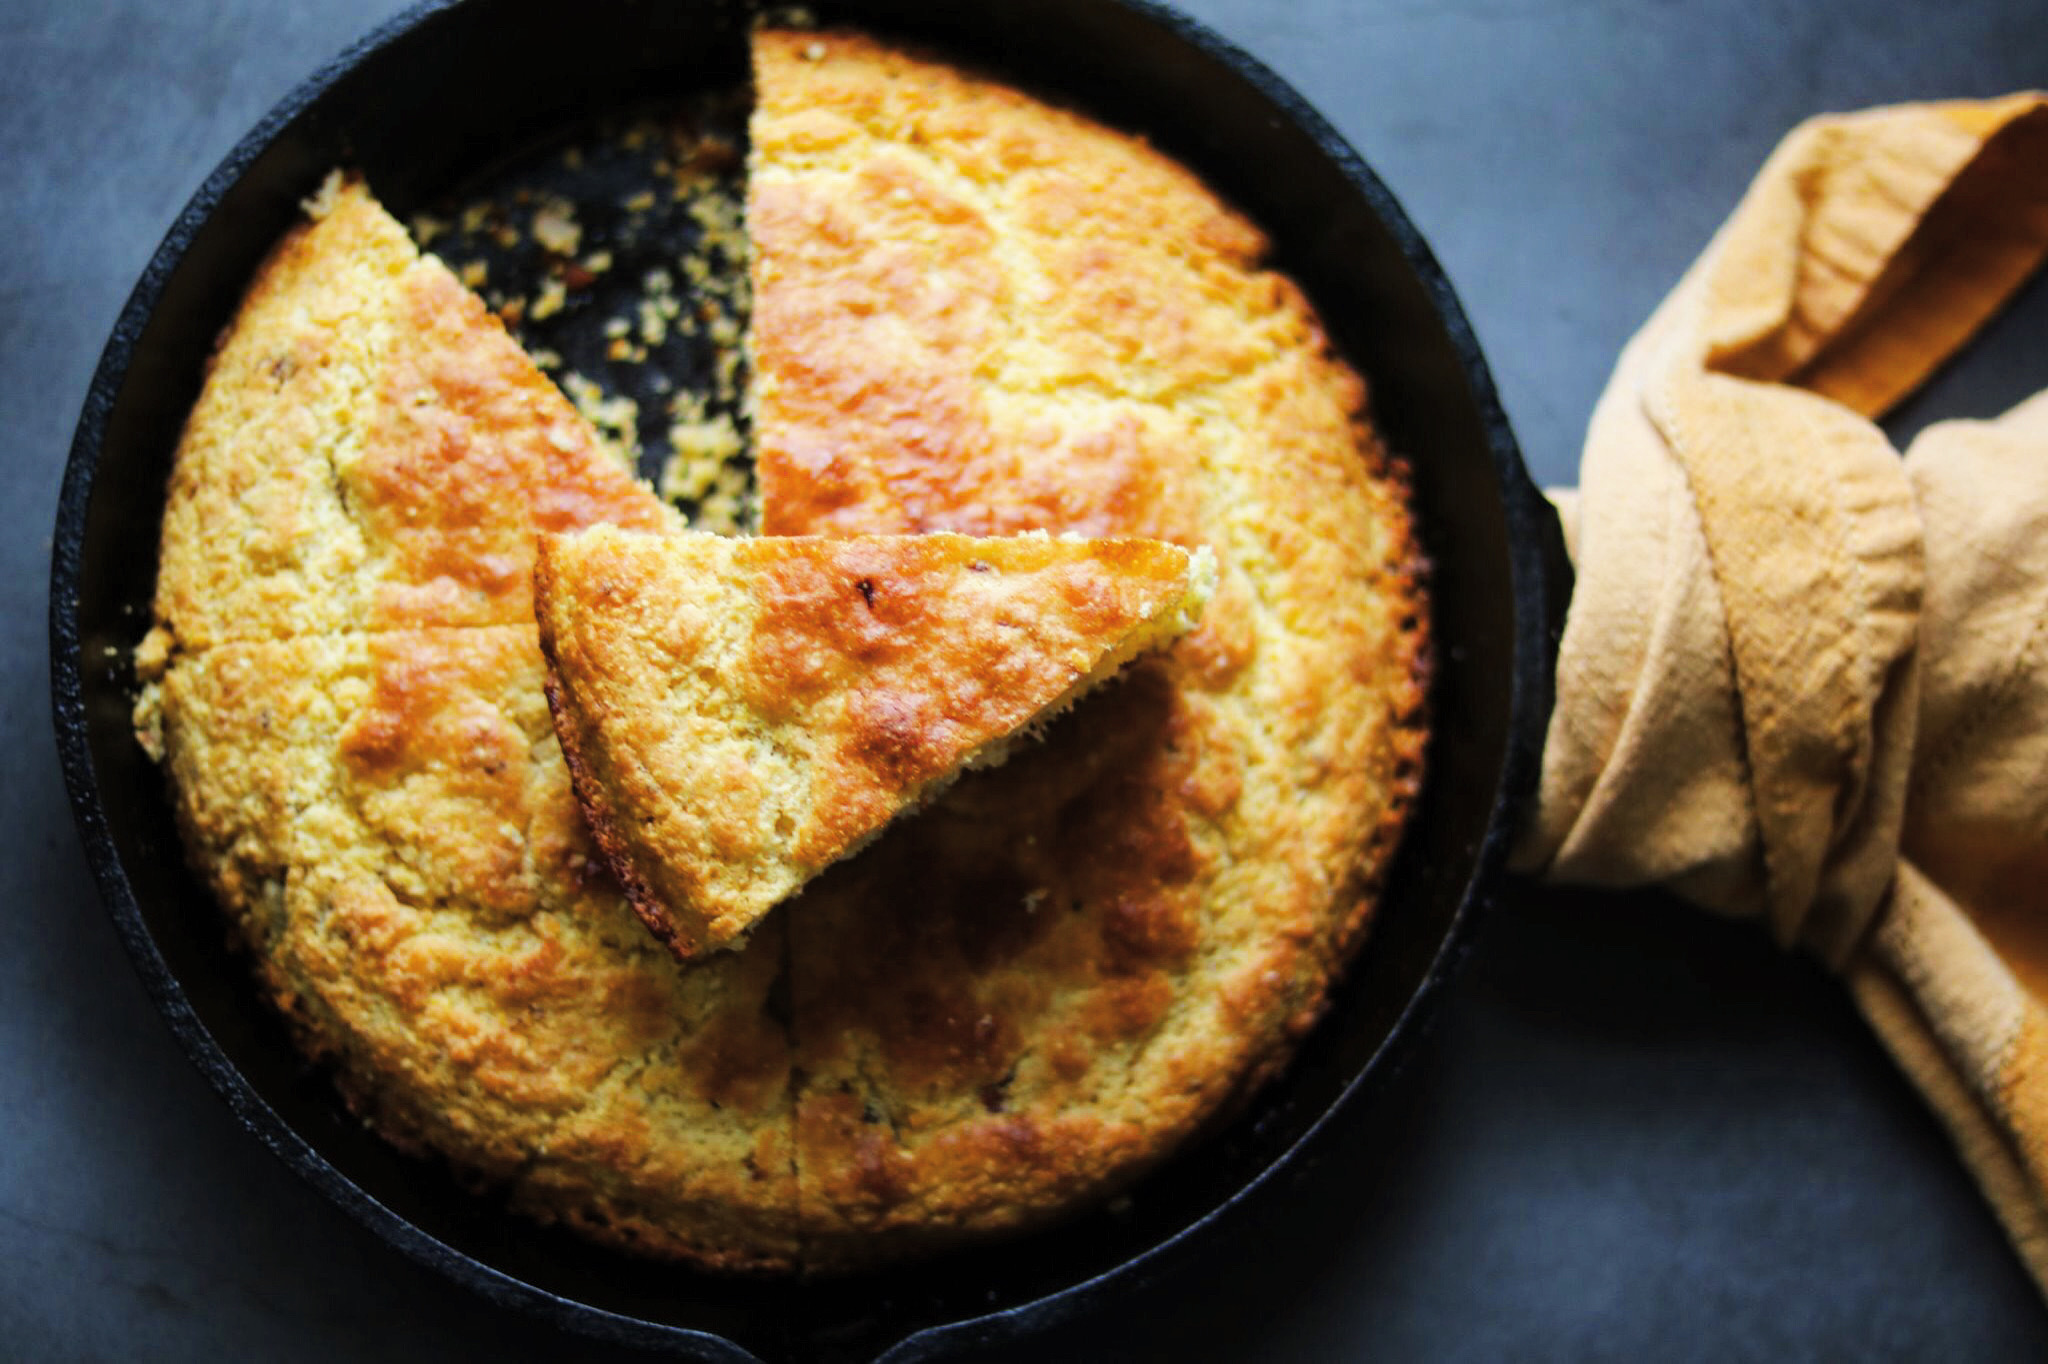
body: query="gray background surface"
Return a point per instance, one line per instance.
(1634, 1133)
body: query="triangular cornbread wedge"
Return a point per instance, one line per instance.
(738, 714)
(371, 450)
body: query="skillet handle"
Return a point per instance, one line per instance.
(1543, 594)
(1559, 578)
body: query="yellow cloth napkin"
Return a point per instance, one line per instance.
(1803, 678)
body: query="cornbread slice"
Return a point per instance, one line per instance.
(740, 714)
(371, 449)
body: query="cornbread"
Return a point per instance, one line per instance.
(972, 313)
(739, 714)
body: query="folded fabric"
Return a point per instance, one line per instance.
(1807, 680)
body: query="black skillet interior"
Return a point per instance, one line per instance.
(452, 88)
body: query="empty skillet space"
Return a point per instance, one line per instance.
(1364, 287)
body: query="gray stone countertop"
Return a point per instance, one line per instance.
(1635, 1132)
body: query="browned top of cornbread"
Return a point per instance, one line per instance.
(384, 808)
(975, 312)
(740, 714)
(390, 822)
(370, 449)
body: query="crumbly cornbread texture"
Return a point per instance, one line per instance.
(973, 313)
(371, 450)
(740, 714)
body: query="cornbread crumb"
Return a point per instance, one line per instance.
(731, 506)
(148, 720)
(324, 199)
(616, 417)
(554, 227)
(154, 653)
(703, 449)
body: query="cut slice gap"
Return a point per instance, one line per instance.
(740, 714)
(614, 254)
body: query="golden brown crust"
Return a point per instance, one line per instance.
(371, 450)
(384, 809)
(387, 817)
(974, 313)
(739, 714)
(606, 830)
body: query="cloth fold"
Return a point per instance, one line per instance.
(1802, 678)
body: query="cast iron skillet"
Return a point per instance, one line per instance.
(452, 86)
